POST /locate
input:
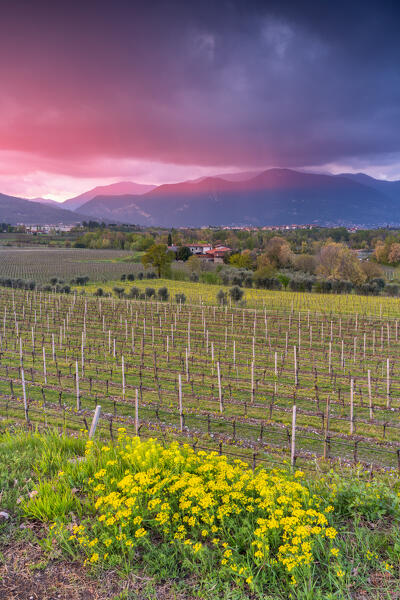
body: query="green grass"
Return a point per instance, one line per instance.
(366, 515)
(205, 293)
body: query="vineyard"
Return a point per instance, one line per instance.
(205, 293)
(41, 264)
(277, 383)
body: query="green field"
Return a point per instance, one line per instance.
(205, 294)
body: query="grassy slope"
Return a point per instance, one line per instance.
(254, 298)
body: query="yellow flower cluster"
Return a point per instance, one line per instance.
(249, 522)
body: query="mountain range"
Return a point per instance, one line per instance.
(271, 197)
(114, 189)
(15, 210)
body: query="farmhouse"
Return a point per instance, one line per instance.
(199, 248)
(218, 253)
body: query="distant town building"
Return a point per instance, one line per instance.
(46, 229)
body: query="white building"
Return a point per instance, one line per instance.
(199, 248)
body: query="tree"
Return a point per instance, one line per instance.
(81, 280)
(183, 253)
(221, 298)
(236, 293)
(336, 261)
(348, 267)
(284, 279)
(169, 239)
(134, 292)
(163, 294)
(305, 262)
(264, 264)
(194, 264)
(264, 278)
(392, 289)
(371, 270)
(278, 252)
(180, 298)
(327, 259)
(242, 261)
(119, 291)
(381, 252)
(394, 254)
(159, 257)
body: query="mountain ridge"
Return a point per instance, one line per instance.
(113, 189)
(272, 197)
(15, 210)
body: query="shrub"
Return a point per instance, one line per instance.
(301, 283)
(119, 291)
(150, 292)
(194, 277)
(99, 292)
(123, 277)
(378, 282)
(342, 286)
(180, 298)
(248, 281)
(210, 278)
(130, 509)
(163, 294)
(392, 289)
(236, 293)
(82, 280)
(130, 277)
(222, 298)
(323, 286)
(268, 283)
(237, 280)
(134, 292)
(367, 289)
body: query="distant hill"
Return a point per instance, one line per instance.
(114, 189)
(44, 201)
(389, 188)
(273, 197)
(15, 210)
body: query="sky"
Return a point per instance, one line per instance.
(94, 92)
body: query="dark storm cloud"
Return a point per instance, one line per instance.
(207, 83)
